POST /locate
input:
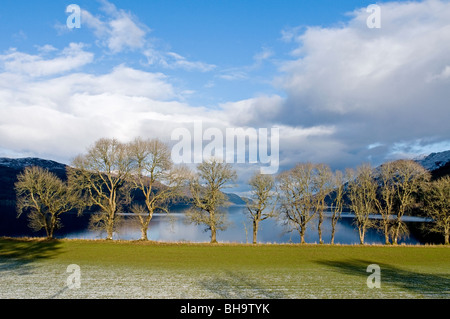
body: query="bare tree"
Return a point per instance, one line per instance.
(101, 174)
(261, 204)
(208, 199)
(437, 206)
(338, 202)
(362, 192)
(408, 176)
(385, 202)
(296, 197)
(154, 176)
(45, 198)
(322, 187)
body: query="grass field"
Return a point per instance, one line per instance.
(124, 269)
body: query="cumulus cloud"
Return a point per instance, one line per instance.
(60, 115)
(69, 59)
(373, 85)
(256, 112)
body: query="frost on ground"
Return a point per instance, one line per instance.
(49, 280)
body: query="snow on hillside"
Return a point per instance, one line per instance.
(435, 160)
(21, 163)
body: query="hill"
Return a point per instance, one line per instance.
(10, 225)
(11, 168)
(437, 163)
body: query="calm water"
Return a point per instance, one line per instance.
(174, 228)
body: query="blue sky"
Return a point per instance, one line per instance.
(340, 92)
(230, 35)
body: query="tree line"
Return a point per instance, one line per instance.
(110, 172)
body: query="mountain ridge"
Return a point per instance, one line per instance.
(435, 161)
(11, 167)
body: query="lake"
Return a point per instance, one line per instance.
(174, 229)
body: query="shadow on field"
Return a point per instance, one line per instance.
(236, 285)
(18, 255)
(428, 285)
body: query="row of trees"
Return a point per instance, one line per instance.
(388, 192)
(110, 175)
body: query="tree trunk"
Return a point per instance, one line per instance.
(255, 230)
(144, 226)
(302, 238)
(144, 233)
(334, 221)
(110, 228)
(319, 228)
(362, 232)
(53, 225)
(333, 231)
(302, 235)
(50, 233)
(213, 235)
(395, 235)
(446, 236)
(47, 230)
(386, 234)
(46, 223)
(111, 216)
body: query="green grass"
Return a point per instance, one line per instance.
(124, 269)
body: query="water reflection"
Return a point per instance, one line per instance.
(175, 229)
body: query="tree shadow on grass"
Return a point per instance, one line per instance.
(18, 255)
(425, 284)
(236, 285)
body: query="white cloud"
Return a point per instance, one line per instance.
(59, 117)
(418, 147)
(120, 31)
(130, 82)
(124, 32)
(175, 60)
(233, 74)
(443, 75)
(373, 85)
(172, 60)
(100, 28)
(257, 112)
(47, 48)
(260, 57)
(245, 72)
(69, 59)
(289, 34)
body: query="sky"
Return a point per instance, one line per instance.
(339, 91)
